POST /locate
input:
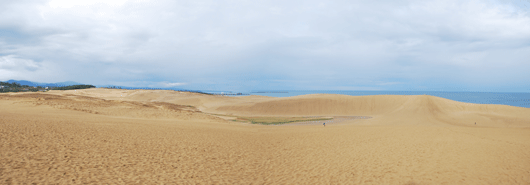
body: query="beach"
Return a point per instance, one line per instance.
(113, 136)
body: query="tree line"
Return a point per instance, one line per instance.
(16, 87)
(70, 87)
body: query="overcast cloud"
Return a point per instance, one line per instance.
(270, 45)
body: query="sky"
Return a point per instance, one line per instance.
(241, 45)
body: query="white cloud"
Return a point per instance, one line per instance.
(243, 43)
(70, 3)
(12, 63)
(168, 84)
(14, 67)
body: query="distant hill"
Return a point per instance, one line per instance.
(71, 83)
(58, 84)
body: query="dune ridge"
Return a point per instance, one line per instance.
(391, 107)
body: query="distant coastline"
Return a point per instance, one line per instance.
(270, 92)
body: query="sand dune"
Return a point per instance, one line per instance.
(148, 137)
(391, 109)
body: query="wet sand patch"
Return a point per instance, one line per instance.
(335, 120)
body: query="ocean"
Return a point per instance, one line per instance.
(500, 98)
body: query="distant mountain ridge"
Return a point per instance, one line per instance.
(30, 83)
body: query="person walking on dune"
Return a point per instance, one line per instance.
(324, 124)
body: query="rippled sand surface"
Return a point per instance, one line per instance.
(101, 136)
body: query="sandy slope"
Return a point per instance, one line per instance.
(147, 137)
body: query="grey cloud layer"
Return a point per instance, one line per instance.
(268, 44)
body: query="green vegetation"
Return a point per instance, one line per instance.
(70, 87)
(16, 87)
(277, 120)
(272, 120)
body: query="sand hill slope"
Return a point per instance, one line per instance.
(387, 109)
(102, 136)
(391, 109)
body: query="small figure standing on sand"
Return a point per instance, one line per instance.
(324, 124)
(475, 123)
